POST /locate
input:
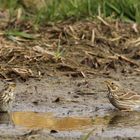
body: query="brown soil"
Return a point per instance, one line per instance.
(62, 72)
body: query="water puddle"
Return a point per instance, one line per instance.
(48, 120)
(116, 124)
(33, 120)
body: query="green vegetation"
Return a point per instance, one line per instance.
(86, 137)
(126, 10)
(59, 52)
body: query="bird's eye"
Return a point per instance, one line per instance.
(112, 83)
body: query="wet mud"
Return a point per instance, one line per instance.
(67, 108)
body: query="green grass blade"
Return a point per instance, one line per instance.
(20, 34)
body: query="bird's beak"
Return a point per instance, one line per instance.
(106, 82)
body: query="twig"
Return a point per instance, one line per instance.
(134, 27)
(93, 37)
(103, 21)
(127, 60)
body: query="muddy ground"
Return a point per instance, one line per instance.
(60, 92)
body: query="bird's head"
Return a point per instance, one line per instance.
(112, 85)
(11, 86)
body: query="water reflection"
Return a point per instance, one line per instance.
(124, 119)
(5, 118)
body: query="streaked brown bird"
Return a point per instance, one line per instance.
(122, 99)
(7, 97)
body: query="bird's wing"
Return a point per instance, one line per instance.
(135, 97)
(129, 95)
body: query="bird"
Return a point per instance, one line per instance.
(7, 97)
(122, 99)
